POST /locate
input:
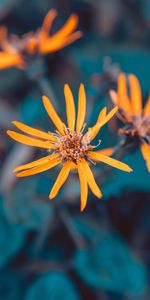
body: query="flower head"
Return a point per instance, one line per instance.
(68, 146)
(135, 118)
(16, 51)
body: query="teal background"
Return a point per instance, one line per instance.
(49, 250)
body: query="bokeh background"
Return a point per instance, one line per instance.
(49, 250)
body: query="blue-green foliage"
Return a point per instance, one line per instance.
(25, 208)
(108, 263)
(12, 237)
(53, 286)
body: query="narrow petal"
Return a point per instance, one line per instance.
(8, 60)
(123, 100)
(107, 151)
(52, 45)
(83, 186)
(70, 107)
(68, 28)
(40, 168)
(91, 180)
(122, 85)
(92, 132)
(146, 154)
(62, 177)
(136, 95)
(53, 115)
(101, 118)
(147, 106)
(109, 115)
(48, 20)
(34, 132)
(109, 161)
(81, 108)
(30, 141)
(35, 163)
(114, 97)
(102, 114)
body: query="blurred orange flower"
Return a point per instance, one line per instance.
(136, 118)
(68, 146)
(15, 50)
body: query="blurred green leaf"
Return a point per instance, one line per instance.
(12, 237)
(26, 208)
(53, 286)
(108, 263)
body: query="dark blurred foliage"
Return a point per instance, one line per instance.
(48, 250)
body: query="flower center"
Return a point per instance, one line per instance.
(139, 127)
(71, 146)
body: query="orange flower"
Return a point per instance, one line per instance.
(16, 50)
(136, 118)
(69, 146)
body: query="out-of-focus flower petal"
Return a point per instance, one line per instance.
(123, 100)
(147, 106)
(136, 95)
(146, 154)
(8, 60)
(51, 44)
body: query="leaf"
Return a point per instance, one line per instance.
(109, 264)
(25, 207)
(12, 237)
(17, 156)
(53, 286)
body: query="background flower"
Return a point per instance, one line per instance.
(104, 252)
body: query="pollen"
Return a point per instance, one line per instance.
(71, 146)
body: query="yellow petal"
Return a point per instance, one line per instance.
(101, 118)
(70, 107)
(110, 115)
(34, 132)
(147, 106)
(109, 161)
(83, 186)
(53, 115)
(52, 45)
(136, 95)
(40, 168)
(8, 60)
(36, 163)
(102, 114)
(62, 177)
(122, 85)
(81, 108)
(92, 132)
(48, 21)
(114, 97)
(91, 180)
(30, 141)
(146, 154)
(107, 151)
(68, 28)
(123, 100)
